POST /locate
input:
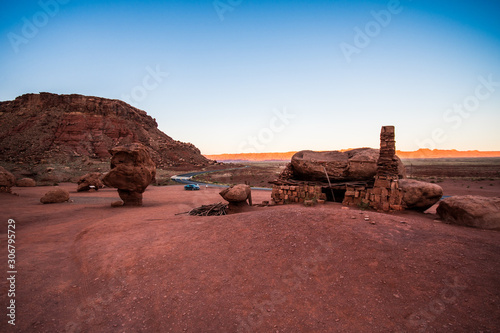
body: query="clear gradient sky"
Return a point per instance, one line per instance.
(235, 76)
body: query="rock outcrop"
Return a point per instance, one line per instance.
(419, 195)
(471, 211)
(7, 180)
(26, 182)
(57, 195)
(63, 128)
(354, 164)
(90, 181)
(132, 170)
(237, 194)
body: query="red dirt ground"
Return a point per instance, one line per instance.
(86, 267)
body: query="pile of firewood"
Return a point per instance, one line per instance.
(209, 210)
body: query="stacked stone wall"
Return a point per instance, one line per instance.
(283, 194)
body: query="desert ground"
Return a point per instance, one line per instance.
(84, 266)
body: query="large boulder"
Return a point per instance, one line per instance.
(351, 165)
(90, 181)
(237, 194)
(419, 195)
(7, 180)
(132, 170)
(26, 182)
(471, 211)
(55, 196)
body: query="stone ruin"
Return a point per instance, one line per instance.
(385, 194)
(361, 177)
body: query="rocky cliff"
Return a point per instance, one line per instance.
(45, 126)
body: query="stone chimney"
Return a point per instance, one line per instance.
(387, 164)
(386, 194)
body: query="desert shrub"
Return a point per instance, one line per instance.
(364, 205)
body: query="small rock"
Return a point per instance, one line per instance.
(7, 180)
(55, 196)
(26, 182)
(90, 181)
(419, 195)
(308, 203)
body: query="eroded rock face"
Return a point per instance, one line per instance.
(26, 182)
(419, 195)
(472, 211)
(7, 180)
(46, 126)
(90, 181)
(237, 194)
(57, 195)
(355, 164)
(132, 170)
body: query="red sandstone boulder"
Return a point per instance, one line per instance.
(7, 180)
(90, 181)
(132, 170)
(351, 165)
(471, 211)
(55, 196)
(26, 182)
(237, 194)
(419, 195)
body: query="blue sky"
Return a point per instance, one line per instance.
(262, 76)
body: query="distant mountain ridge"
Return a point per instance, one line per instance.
(62, 128)
(421, 153)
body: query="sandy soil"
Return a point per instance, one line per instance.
(86, 267)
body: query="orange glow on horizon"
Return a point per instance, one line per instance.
(421, 153)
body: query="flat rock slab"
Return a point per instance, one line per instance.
(472, 211)
(354, 164)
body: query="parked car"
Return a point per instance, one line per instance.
(191, 187)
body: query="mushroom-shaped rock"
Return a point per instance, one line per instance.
(55, 196)
(26, 182)
(90, 181)
(132, 170)
(354, 164)
(419, 195)
(472, 211)
(237, 194)
(7, 180)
